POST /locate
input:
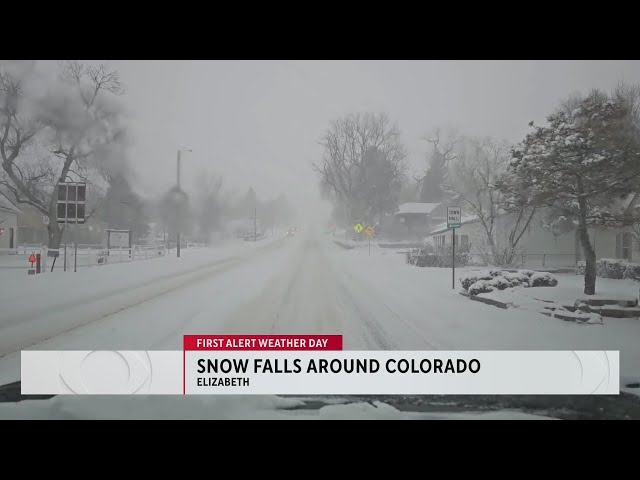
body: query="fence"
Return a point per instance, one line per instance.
(28, 248)
(83, 256)
(96, 255)
(197, 245)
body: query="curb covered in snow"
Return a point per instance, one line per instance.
(488, 301)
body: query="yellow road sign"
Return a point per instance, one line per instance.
(358, 228)
(370, 231)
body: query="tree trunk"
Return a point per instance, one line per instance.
(54, 235)
(589, 252)
(493, 248)
(53, 229)
(509, 256)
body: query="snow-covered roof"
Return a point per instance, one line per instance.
(7, 204)
(442, 227)
(425, 208)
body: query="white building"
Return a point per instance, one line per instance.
(541, 245)
(8, 225)
(412, 221)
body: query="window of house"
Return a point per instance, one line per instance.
(626, 245)
(465, 240)
(623, 245)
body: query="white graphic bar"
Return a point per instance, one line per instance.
(320, 372)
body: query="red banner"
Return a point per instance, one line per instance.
(262, 342)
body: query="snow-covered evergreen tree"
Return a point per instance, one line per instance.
(580, 163)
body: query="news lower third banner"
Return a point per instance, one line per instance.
(315, 365)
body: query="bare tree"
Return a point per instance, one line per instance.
(17, 136)
(362, 164)
(478, 176)
(209, 204)
(67, 130)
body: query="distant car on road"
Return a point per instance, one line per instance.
(291, 232)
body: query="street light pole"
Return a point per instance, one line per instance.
(177, 209)
(179, 190)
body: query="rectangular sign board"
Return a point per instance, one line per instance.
(118, 239)
(454, 217)
(72, 198)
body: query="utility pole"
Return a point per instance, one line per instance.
(177, 209)
(255, 221)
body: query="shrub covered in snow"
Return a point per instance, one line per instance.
(632, 272)
(500, 280)
(470, 278)
(543, 279)
(518, 278)
(428, 256)
(613, 268)
(481, 286)
(526, 272)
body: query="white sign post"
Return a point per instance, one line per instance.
(454, 220)
(71, 209)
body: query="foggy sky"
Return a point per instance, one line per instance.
(258, 123)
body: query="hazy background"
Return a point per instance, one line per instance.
(258, 122)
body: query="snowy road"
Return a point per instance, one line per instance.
(301, 285)
(295, 285)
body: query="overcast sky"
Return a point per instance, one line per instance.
(258, 123)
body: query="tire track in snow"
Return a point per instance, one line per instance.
(376, 307)
(267, 312)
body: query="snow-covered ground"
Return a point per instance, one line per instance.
(424, 299)
(38, 307)
(304, 284)
(224, 408)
